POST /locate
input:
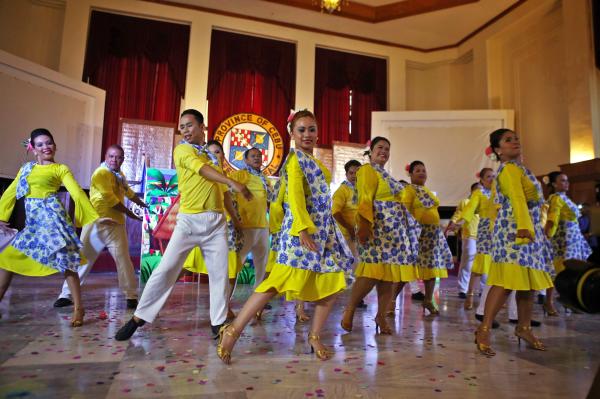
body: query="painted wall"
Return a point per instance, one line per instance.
(537, 60)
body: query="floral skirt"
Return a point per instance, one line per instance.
(303, 285)
(435, 257)
(568, 243)
(48, 244)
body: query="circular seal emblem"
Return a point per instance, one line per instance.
(240, 132)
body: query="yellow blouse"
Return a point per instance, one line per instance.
(295, 195)
(519, 189)
(415, 207)
(559, 211)
(469, 229)
(198, 194)
(45, 180)
(371, 186)
(342, 203)
(106, 192)
(253, 213)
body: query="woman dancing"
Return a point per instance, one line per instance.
(313, 254)
(521, 254)
(48, 244)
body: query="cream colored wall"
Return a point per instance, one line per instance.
(537, 60)
(77, 19)
(32, 29)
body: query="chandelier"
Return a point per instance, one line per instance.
(332, 5)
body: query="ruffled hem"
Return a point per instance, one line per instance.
(481, 264)
(303, 285)
(15, 261)
(195, 263)
(386, 272)
(520, 278)
(428, 273)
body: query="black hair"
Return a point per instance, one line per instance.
(413, 165)
(351, 163)
(214, 142)
(303, 113)
(475, 185)
(374, 142)
(40, 132)
(495, 138)
(483, 171)
(116, 146)
(552, 176)
(195, 113)
(247, 152)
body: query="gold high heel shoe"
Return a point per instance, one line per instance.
(469, 301)
(225, 354)
(381, 326)
(391, 314)
(301, 317)
(344, 323)
(484, 349)
(77, 320)
(322, 354)
(550, 310)
(525, 333)
(259, 315)
(431, 308)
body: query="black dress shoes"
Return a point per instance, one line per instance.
(128, 329)
(62, 302)
(495, 324)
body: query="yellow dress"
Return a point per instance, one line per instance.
(390, 253)
(435, 257)
(275, 221)
(48, 244)
(195, 260)
(518, 263)
(298, 273)
(566, 238)
(482, 209)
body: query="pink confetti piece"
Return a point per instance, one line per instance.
(160, 368)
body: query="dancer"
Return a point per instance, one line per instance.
(345, 204)
(108, 190)
(386, 246)
(562, 228)
(200, 222)
(48, 244)
(481, 205)
(435, 257)
(195, 261)
(468, 238)
(521, 254)
(253, 214)
(313, 255)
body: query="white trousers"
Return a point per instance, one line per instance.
(469, 248)
(257, 242)
(207, 231)
(511, 301)
(414, 287)
(95, 237)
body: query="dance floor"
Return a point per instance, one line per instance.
(427, 357)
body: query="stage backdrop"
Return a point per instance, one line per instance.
(450, 143)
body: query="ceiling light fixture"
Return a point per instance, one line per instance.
(332, 5)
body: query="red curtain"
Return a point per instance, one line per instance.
(336, 75)
(142, 66)
(251, 74)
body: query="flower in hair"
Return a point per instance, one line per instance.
(407, 168)
(489, 152)
(478, 175)
(546, 179)
(27, 144)
(290, 118)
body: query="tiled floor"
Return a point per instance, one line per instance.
(42, 357)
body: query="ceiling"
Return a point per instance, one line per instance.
(424, 25)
